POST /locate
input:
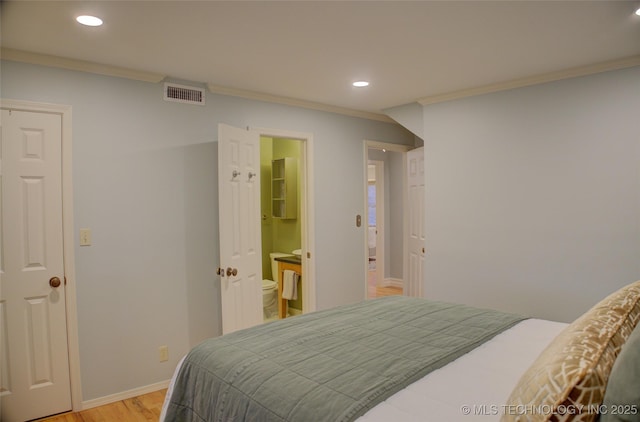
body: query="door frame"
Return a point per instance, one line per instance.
(68, 238)
(307, 214)
(367, 144)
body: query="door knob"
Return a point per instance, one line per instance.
(232, 272)
(220, 272)
(54, 282)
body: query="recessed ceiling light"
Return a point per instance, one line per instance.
(638, 12)
(361, 84)
(89, 20)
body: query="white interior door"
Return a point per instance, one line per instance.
(240, 235)
(34, 359)
(416, 237)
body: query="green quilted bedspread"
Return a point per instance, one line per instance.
(331, 365)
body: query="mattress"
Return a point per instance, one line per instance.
(472, 387)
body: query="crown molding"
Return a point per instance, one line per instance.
(534, 80)
(79, 65)
(122, 72)
(259, 96)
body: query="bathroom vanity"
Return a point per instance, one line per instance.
(293, 263)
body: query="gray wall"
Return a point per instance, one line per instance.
(533, 195)
(145, 182)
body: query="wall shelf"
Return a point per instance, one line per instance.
(284, 188)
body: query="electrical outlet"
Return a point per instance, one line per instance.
(164, 353)
(85, 237)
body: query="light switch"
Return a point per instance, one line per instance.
(85, 237)
(164, 353)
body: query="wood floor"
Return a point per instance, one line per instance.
(388, 291)
(142, 408)
(380, 291)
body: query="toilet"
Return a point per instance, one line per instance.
(270, 289)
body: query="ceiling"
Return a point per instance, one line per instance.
(313, 50)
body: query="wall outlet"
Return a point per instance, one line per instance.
(164, 353)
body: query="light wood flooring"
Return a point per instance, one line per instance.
(374, 291)
(142, 408)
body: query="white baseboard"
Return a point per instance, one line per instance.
(112, 398)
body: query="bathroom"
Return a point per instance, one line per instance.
(281, 225)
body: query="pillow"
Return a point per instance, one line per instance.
(567, 381)
(622, 397)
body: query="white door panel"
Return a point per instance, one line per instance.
(415, 175)
(33, 336)
(240, 235)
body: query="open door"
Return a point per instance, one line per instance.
(240, 243)
(415, 235)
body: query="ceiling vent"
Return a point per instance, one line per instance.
(183, 94)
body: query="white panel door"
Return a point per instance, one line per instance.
(34, 359)
(240, 231)
(415, 174)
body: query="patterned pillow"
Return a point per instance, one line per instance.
(567, 381)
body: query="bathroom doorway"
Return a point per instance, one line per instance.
(385, 219)
(282, 170)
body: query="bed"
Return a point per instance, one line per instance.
(408, 359)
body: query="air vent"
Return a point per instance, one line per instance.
(183, 94)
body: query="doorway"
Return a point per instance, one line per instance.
(305, 215)
(281, 191)
(375, 226)
(240, 220)
(385, 216)
(239, 170)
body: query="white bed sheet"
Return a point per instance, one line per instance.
(481, 380)
(472, 388)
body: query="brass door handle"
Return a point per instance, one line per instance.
(232, 272)
(54, 282)
(220, 272)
